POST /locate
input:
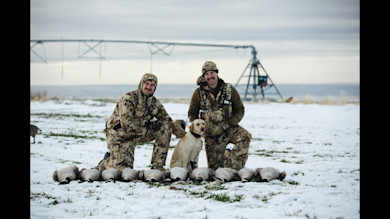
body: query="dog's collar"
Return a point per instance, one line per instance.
(195, 135)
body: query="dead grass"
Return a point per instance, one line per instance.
(328, 100)
(38, 96)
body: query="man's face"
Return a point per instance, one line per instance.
(148, 88)
(212, 78)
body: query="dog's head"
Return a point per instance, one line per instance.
(198, 126)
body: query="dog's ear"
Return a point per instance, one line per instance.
(192, 127)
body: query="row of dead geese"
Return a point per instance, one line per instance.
(221, 175)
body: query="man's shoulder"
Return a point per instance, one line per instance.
(196, 91)
(231, 87)
(129, 95)
(155, 100)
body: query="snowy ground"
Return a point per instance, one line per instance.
(317, 145)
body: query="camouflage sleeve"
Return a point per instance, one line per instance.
(162, 113)
(193, 110)
(126, 114)
(237, 107)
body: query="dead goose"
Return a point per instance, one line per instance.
(66, 174)
(181, 123)
(153, 175)
(246, 174)
(202, 174)
(268, 173)
(111, 174)
(129, 174)
(178, 173)
(224, 174)
(89, 175)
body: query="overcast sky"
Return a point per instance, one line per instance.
(298, 41)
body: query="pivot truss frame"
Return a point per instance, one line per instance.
(165, 48)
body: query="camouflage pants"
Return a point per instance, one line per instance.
(122, 146)
(216, 153)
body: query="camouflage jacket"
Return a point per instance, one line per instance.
(220, 111)
(135, 113)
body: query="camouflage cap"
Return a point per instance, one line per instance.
(147, 77)
(209, 66)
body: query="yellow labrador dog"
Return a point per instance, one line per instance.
(187, 151)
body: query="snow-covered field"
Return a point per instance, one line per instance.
(317, 145)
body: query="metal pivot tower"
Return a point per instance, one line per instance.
(260, 81)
